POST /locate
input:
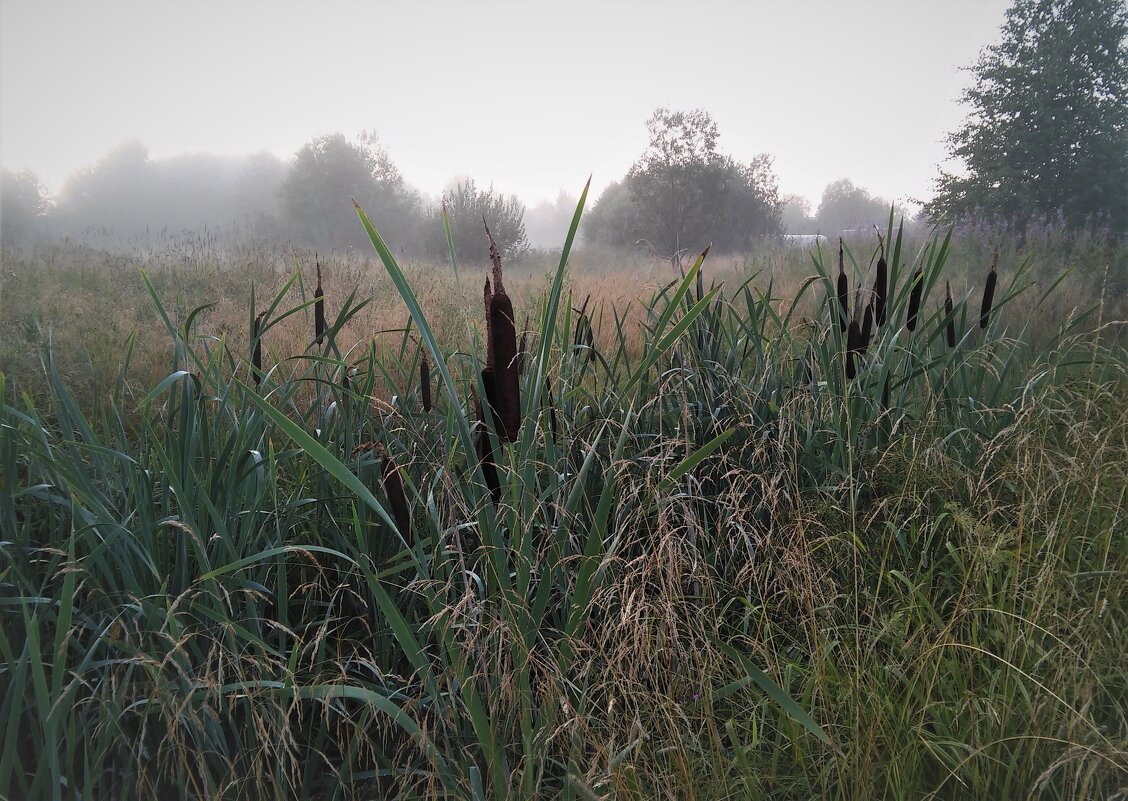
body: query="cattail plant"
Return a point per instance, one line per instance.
(948, 313)
(501, 353)
(393, 487)
(881, 286)
(551, 410)
(256, 351)
(989, 291)
(843, 289)
(318, 307)
(914, 299)
(425, 382)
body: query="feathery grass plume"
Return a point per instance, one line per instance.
(256, 352)
(867, 323)
(914, 299)
(989, 291)
(881, 285)
(502, 352)
(393, 487)
(483, 443)
(425, 382)
(948, 313)
(318, 307)
(843, 289)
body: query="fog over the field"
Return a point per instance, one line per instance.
(529, 97)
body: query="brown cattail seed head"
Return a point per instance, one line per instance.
(914, 299)
(256, 352)
(397, 500)
(843, 289)
(989, 291)
(318, 308)
(502, 353)
(881, 287)
(867, 324)
(425, 382)
(948, 314)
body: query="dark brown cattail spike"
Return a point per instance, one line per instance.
(397, 500)
(318, 307)
(881, 287)
(989, 291)
(948, 314)
(867, 325)
(425, 382)
(914, 299)
(502, 353)
(843, 289)
(256, 352)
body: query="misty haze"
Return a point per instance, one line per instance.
(563, 400)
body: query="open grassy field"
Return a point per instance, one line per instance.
(738, 545)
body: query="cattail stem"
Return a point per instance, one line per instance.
(989, 291)
(867, 325)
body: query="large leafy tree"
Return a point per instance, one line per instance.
(684, 193)
(23, 204)
(467, 207)
(1047, 132)
(327, 174)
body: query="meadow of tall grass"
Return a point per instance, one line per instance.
(731, 550)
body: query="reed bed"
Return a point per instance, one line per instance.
(718, 543)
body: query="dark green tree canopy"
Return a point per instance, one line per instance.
(327, 175)
(683, 193)
(467, 206)
(1047, 131)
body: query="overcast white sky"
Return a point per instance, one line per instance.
(530, 96)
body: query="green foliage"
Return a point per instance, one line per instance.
(327, 175)
(1047, 132)
(718, 567)
(23, 204)
(685, 194)
(466, 208)
(845, 206)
